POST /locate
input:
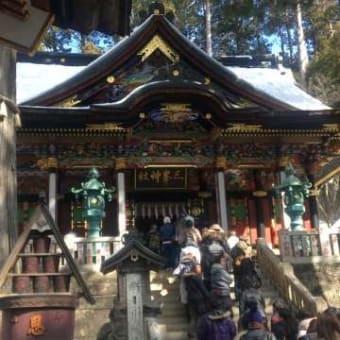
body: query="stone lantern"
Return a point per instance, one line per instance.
(93, 194)
(133, 307)
(295, 191)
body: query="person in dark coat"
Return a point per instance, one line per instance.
(198, 299)
(251, 299)
(257, 327)
(216, 327)
(244, 267)
(217, 324)
(283, 323)
(168, 246)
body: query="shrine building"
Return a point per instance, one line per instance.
(176, 132)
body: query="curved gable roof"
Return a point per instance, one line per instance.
(129, 47)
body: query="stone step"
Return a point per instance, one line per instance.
(164, 288)
(102, 301)
(178, 335)
(175, 323)
(165, 334)
(174, 312)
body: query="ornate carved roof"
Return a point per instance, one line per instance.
(157, 52)
(157, 85)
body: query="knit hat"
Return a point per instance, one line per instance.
(255, 316)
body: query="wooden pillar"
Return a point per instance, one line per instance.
(221, 193)
(259, 194)
(313, 204)
(8, 185)
(282, 164)
(52, 194)
(120, 166)
(51, 164)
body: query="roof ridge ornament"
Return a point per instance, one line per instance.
(158, 43)
(156, 8)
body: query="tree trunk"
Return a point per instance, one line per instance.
(303, 55)
(282, 44)
(290, 44)
(8, 184)
(208, 27)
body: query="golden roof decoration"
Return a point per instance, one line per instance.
(158, 43)
(331, 127)
(105, 126)
(69, 102)
(244, 127)
(176, 112)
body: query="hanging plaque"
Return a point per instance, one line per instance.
(161, 178)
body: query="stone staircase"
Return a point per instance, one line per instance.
(173, 322)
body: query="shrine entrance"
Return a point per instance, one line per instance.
(147, 208)
(166, 190)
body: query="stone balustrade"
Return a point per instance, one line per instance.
(92, 251)
(297, 246)
(281, 275)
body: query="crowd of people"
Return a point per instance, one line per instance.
(208, 263)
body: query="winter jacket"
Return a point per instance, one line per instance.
(167, 232)
(220, 279)
(198, 296)
(217, 329)
(258, 334)
(252, 299)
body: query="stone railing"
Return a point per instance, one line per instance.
(282, 277)
(303, 245)
(92, 251)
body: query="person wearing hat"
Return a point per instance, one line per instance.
(192, 234)
(251, 299)
(217, 324)
(212, 248)
(168, 247)
(256, 327)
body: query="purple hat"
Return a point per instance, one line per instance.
(256, 316)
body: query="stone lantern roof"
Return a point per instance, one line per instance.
(132, 253)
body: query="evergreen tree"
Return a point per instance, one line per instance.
(323, 77)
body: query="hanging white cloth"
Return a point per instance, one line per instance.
(143, 211)
(149, 210)
(156, 211)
